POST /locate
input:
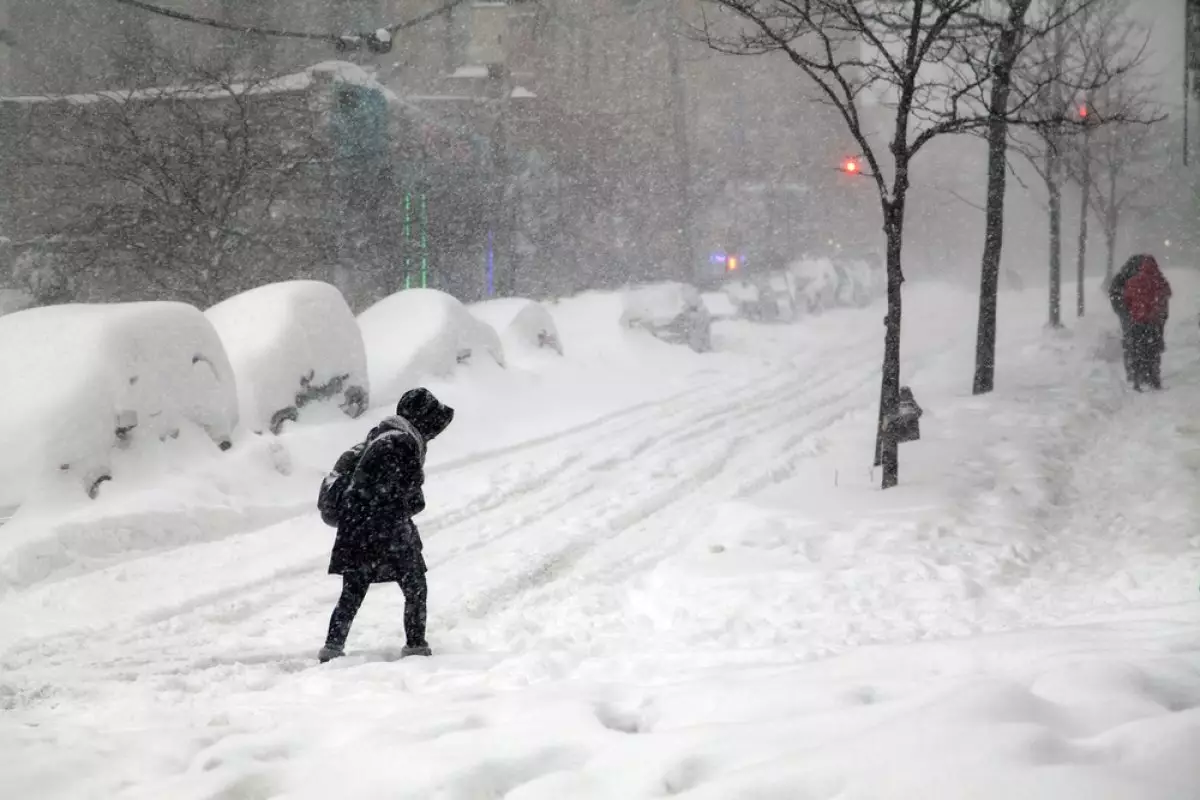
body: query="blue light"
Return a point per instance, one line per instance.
(491, 266)
(717, 258)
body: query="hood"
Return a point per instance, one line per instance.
(426, 413)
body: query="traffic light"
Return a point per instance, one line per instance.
(851, 166)
(1083, 111)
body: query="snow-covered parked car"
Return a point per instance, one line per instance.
(672, 312)
(821, 284)
(816, 284)
(292, 344)
(521, 323)
(420, 333)
(82, 380)
(764, 298)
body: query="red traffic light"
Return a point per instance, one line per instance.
(851, 166)
(1083, 112)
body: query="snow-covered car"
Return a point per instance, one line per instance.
(765, 298)
(292, 344)
(672, 312)
(520, 323)
(821, 284)
(82, 380)
(420, 333)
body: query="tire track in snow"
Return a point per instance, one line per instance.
(660, 434)
(718, 459)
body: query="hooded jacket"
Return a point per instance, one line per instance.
(376, 534)
(1147, 294)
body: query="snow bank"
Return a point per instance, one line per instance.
(292, 344)
(520, 323)
(422, 333)
(83, 379)
(672, 312)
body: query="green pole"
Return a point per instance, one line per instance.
(423, 222)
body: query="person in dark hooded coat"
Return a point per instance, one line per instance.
(377, 540)
(1116, 297)
(1147, 298)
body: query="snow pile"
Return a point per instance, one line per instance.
(422, 333)
(672, 312)
(292, 344)
(81, 380)
(522, 324)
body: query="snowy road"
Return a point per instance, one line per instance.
(636, 605)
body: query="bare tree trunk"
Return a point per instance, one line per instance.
(989, 272)
(1055, 192)
(889, 392)
(1110, 228)
(1085, 191)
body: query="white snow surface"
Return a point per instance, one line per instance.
(277, 334)
(423, 333)
(522, 324)
(655, 573)
(71, 370)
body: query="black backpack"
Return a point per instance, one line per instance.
(333, 486)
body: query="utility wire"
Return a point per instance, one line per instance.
(335, 38)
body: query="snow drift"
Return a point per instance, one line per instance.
(292, 344)
(84, 379)
(520, 323)
(422, 333)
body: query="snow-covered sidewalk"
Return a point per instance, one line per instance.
(702, 595)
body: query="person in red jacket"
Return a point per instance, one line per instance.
(1146, 297)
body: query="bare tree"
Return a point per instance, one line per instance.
(1124, 158)
(829, 42)
(940, 67)
(1080, 57)
(175, 182)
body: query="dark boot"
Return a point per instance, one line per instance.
(416, 595)
(329, 653)
(409, 650)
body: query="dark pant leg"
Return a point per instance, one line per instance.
(416, 592)
(1157, 346)
(354, 590)
(1127, 348)
(1145, 350)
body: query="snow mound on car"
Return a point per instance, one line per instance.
(423, 333)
